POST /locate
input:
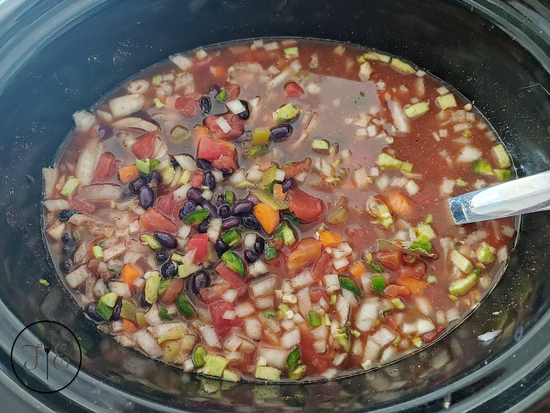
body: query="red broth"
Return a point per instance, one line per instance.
(276, 210)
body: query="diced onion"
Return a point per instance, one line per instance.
(264, 286)
(126, 105)
(320, 346)
(339, 359)
(273, 357)
(244, 309)
(237, 178)
(383, 337)
(235, 106)
(230, 295)
(302, 280)
(56, 204)
(224, 126)
(291, 338)
(424, 326)
(78, 276)
(149, 345)
(83, 120)
(209, 335)
(304, 301)
(253, 328)
(229, 315)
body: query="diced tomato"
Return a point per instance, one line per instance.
(145, 145)
(303, 253)
(165, 204)
(187, 106)
(211, 149)
(235, 123)
(315, 363)
(236, 281)
(225, 162)
(293, 90)
(295, 168)
(393, 291)
(106, 167)
(320, 266)
(176, 211)
(360, 237)
(385, 112)
(429, 337)
(415, 270)
(316, 294)
(233, 91)
(390, 322)
(390, 259)
(175, 285)
(305, 207)
(199, 243)
(81, 206)
(222, 325)
(214, 293)
(152, 220)
(196, 179)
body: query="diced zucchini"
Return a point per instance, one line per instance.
(463, 285)
(285, 233)
(285, 113)
(128, 310)
(164, 315)
(70, 186)
(185, 270)
(294, 357)
(483, 167)
(406, 167)
(176, 257)
(402, 67)
(427, 231)
(503, 174)
(398, 303)
(215, 365)
(461, 262)
(147, 239)
(501, 157)
(196, 217)
(267, 373)
(230, 375)
(291, 52)
(269, 176)
(151, 288)
(106, 304)
(145, 166)
(269, 252)
(343, 338)
(484, 253)
(446, 101)
(417, 109)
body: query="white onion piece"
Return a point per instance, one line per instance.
(224, 126)
(186, 162)
(87, 162)
(339, 359)
(263, 286)
(229, 315)
(121, 289)
(304, 301)
(210, 336)
(366, 315)
(135, 122)
(237, 178)
(49, 175)
(83, 120)
(253, 328)
(302, 280)
(235, 106)
(126, 105)
(320, 333)
(100, 192)
(244, 309)
(320, 346)
(489, 336)
(274, 357)
(342, 307)
(181, 61)
(251, 67)
(56, 204)
(424, 326)
(149, 345)
(78, 276)
(291, 338)
(372, 350)
(152, 316)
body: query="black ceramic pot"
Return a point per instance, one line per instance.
(60, 56)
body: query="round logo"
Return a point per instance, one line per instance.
(46, 356)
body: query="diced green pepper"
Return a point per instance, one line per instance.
(283, 308)
(184, 306)
(343, 338)
(196, 216)
(483, 167)
(398, 303)
(383, 214)
(461, 262)
(269, 252)
(294, 358)
(70, 186)
(501, 157)
(267, 198)
(461, 182)
(378, 284)
(146, 165)
(314, 319)
(231, 237)
(151, 288)
(214, 365)
(297, 373)
(417, 109)
(269, 314)
(222, 96)
(260, 135)
(285, 233)
(257, 151)
(463, 285)
(349, 285)
(234, 262)
(164, 315)
(44, 282)
(199, 356)
(446, 101)
(285, 113)
(147, 239)
(229, 197)
(387, 161)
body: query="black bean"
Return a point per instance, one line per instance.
(224, 211)
(65, 266)
(214, 90)
(187, 208)
(231, 223)
(288, 184)
(209, 181)
(69, 248)
(280, 132)
(226, 172)
(213, 210)
(246, 114)
(220, 200)
(253, 198)
(250, 221)
(136, 184)
(166, 240)
(259, 245)
(203, 227)
(195, 195)
(143, 302)
(66, 214)
(204, 165)
(116, 310)
(244, 137)
(162, 257)
(243, 207)
(66, 237)
(155, 178)
(205, 105)
(146, 197)
(250, 256)
(169, 269)
(104, 131)
(220, 247)
(200, 280)
(91, 310)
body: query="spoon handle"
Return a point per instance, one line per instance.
(521, 196)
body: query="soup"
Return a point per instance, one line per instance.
(276, 210)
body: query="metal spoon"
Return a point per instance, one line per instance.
(521, 196)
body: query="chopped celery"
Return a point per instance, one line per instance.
(267, 373)
(461, 262)
(376, 267)
(463, 285)
(427, 231)
(176, 257)
(184, 306)
(422, 242)
(260, 135)
(214, 365)
(151, 288)
(378, 284)
(349, 285)
(199, 356)
(269, 176)
(314, 319)
(417, 341)
(157, 80)
(481, 166)
(446, 101)
(231, 237)
(267, 198)
(97, 250)
(147, 239)
(285, 113)
(501, 157)
(291, 52)
(257, 151)
(333, 299)
(234, 262)
(387, 161)
(294, 357)
(429, 219)
(484, 253)
(196, 217)
(285, 233)
(417, 109)
(229, 197)
(503, 174)
(158, 103)
(401, 66)
(461, 182)
(398, 303)
(406, 167)
(70, 186)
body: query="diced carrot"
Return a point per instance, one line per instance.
(393, 291)
(199, 131)
(268, 217)
(278, 191)
(330, 239)
(217, 71)
(401, 204)
(128, 326)
(127, 173)
(357, 269)
(129, 273)
(415, 286)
